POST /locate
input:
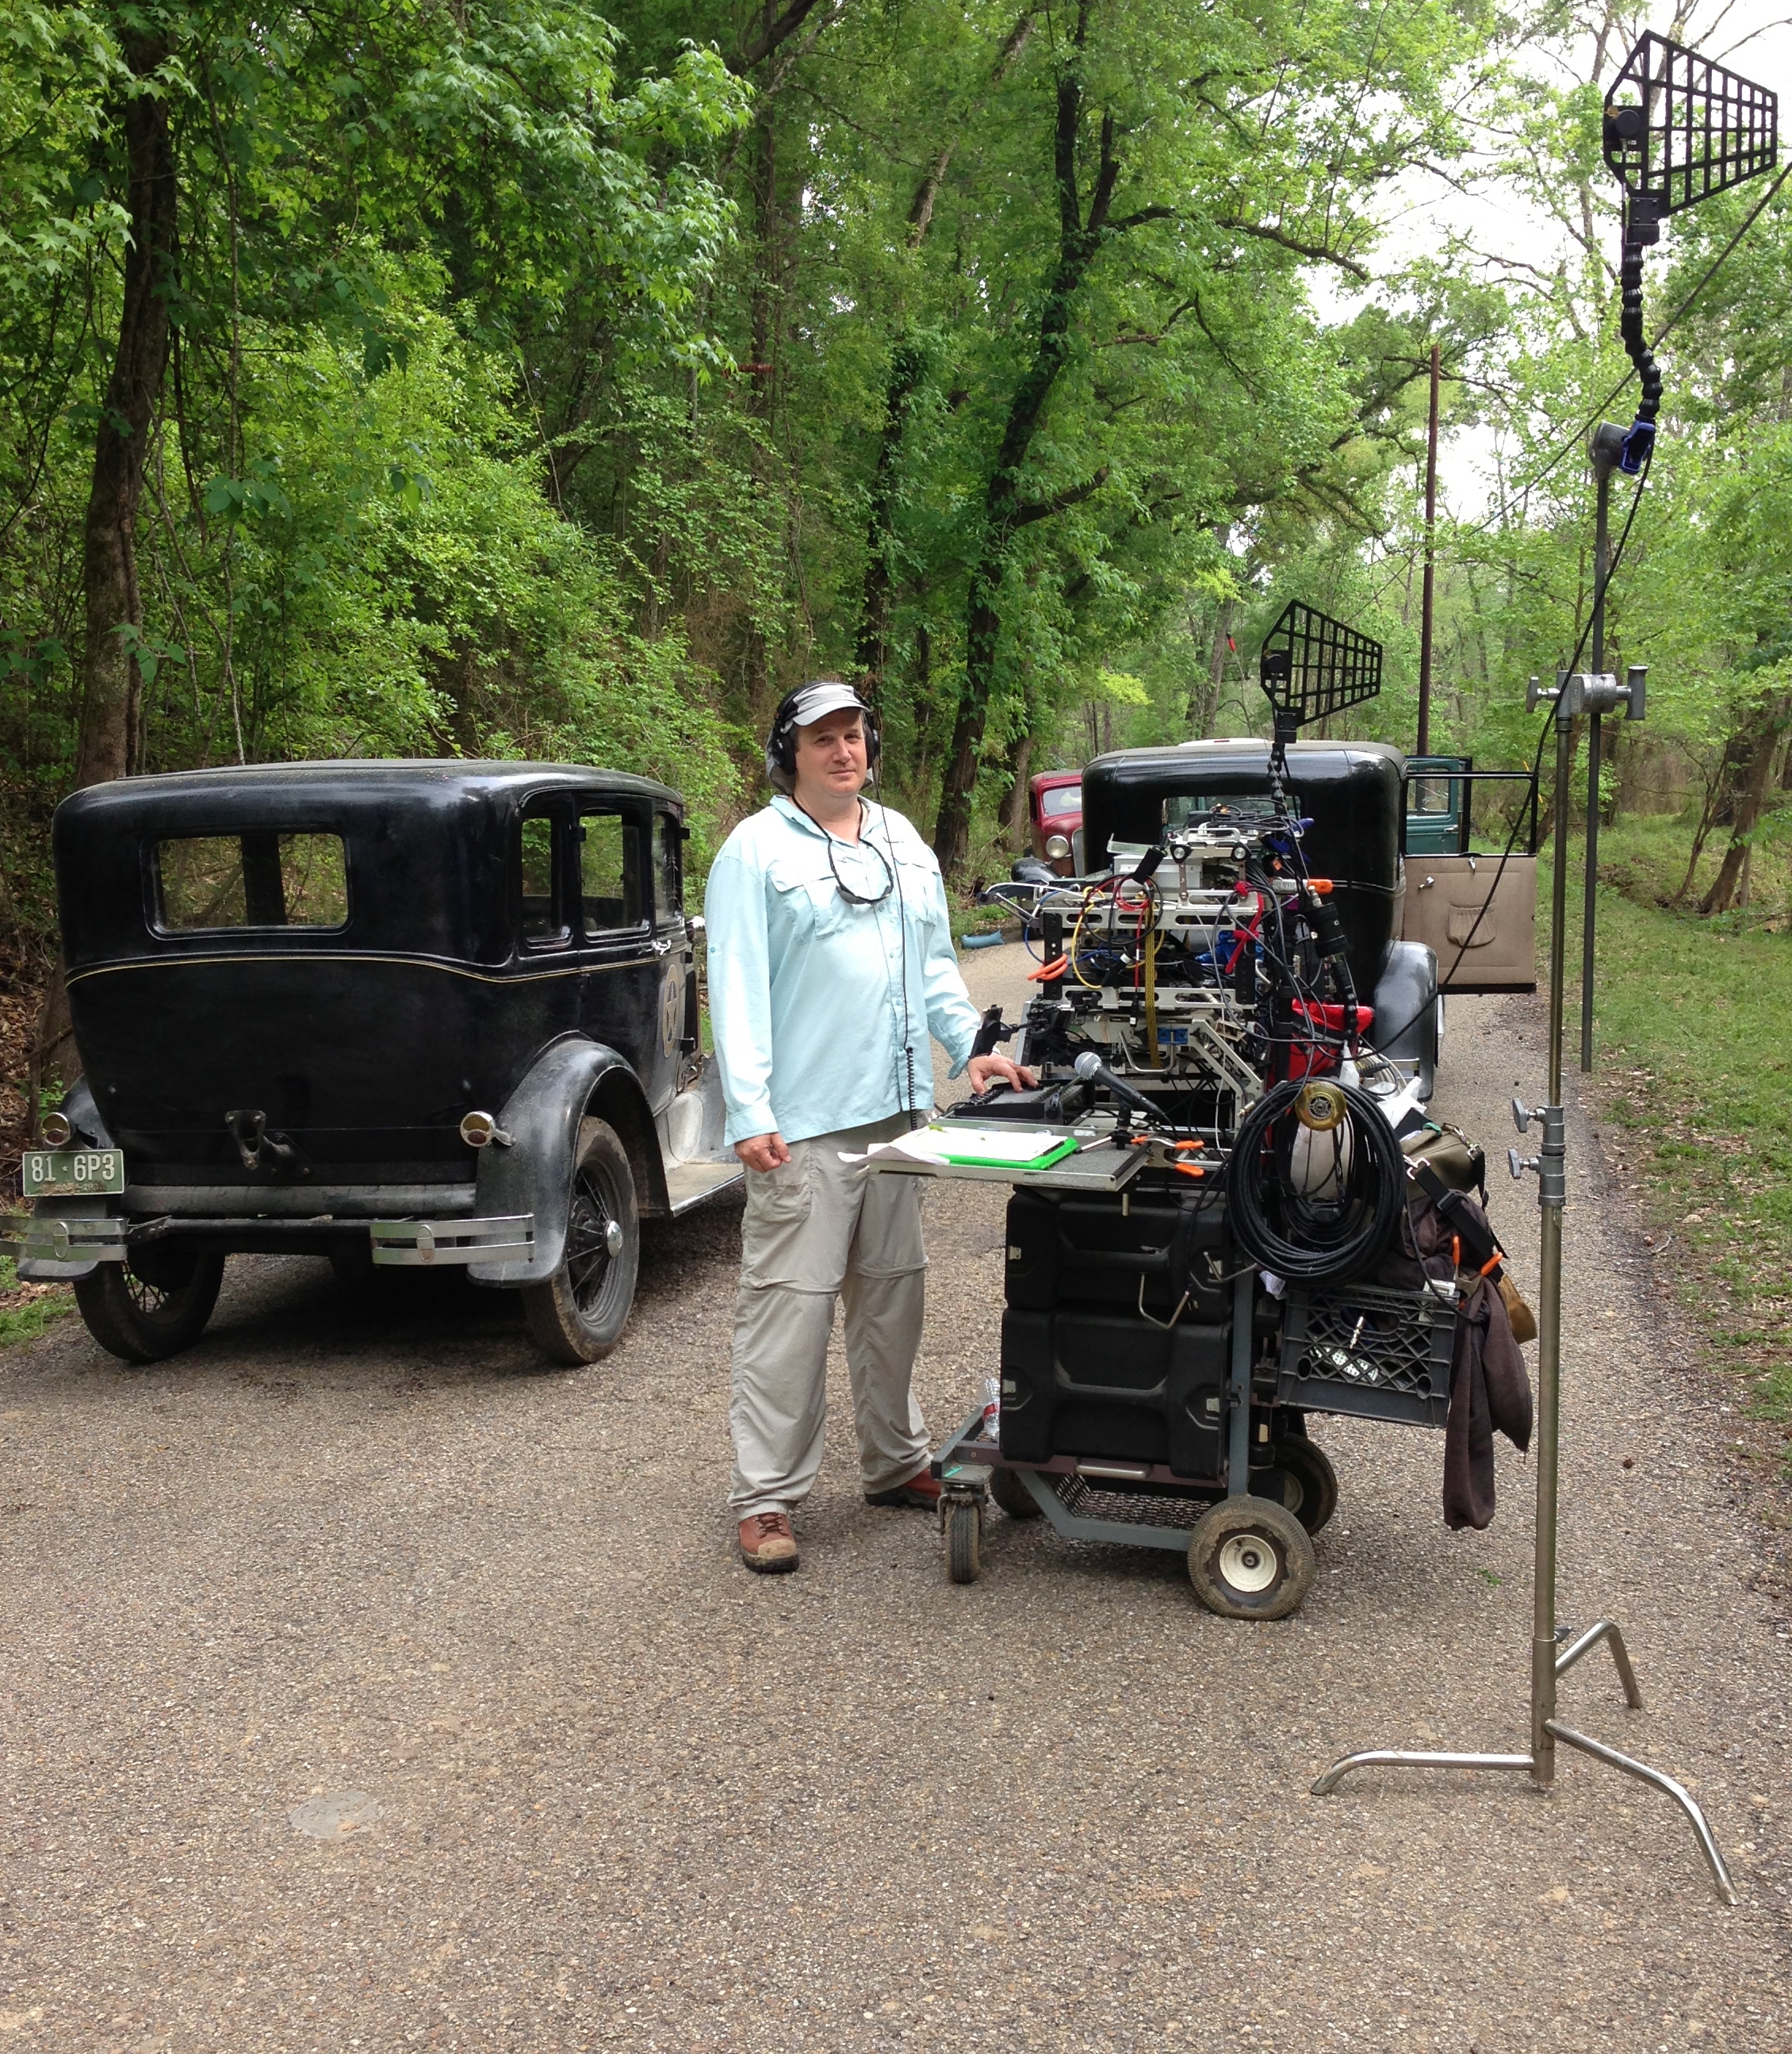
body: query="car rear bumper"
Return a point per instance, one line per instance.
(355, 1201)
(59, 1246)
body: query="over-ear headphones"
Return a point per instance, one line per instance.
(780, 744)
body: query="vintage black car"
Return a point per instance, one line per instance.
(417, 1012)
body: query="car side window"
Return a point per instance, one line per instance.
(544, 916)
(258, 879)
(611, 897)
(668, 861)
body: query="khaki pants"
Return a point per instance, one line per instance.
(817, 1229)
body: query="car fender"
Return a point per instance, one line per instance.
(84, 1116)
(574, 1080)
(1405, 1005)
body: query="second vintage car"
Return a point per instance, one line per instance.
(418, 1013)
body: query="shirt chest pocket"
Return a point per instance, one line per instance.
(809, 901)
(914, 887)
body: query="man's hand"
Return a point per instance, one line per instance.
(767, 1151)
(983, 1070)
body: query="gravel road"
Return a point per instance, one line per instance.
(581, 1781)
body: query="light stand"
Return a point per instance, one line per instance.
(1550, 1659)
(1687, 129)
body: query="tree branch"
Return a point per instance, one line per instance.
(1106, 177)
(1264, 234)
(1138, 220)
(1072, 495)
(921, 208)
(771, 35)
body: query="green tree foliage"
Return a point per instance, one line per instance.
(511, 378)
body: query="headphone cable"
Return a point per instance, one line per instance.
(910, 1107)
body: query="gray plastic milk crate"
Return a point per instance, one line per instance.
(1368, 1351)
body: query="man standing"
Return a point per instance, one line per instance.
(829, 962)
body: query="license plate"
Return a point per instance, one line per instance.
(72, 1173)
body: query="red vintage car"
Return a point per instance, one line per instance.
(1054, 807)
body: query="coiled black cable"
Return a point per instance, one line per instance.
(1345, 1228)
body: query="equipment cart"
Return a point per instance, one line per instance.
(1154, 1392)
(1231, 1041)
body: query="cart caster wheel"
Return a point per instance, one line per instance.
(1250, 1559)
(1013, 1495)
(964, 1540)
(1311, 1467)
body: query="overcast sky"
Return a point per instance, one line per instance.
(1752, 36)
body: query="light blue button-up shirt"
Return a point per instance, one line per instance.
(807, 989)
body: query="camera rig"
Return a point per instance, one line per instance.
(1210, 966)
(1203, 1241)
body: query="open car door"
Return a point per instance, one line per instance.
(1475, 908)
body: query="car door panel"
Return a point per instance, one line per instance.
(1478, 914)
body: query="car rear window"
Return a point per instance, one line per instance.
(1185, 811)
(257, 879)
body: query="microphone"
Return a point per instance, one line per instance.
(1090, 1067)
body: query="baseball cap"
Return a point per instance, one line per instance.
(827, 695)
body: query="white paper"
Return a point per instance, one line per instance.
(1009, 1145)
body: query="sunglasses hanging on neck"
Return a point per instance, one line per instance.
(845, 890)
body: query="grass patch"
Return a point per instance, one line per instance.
(27, 1309)
(1694, 1086)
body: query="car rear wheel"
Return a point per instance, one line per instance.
(579, 1314)
(151, 1306)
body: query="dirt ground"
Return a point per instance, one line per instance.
(584, 1782)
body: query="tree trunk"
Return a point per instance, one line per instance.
(1014, 822)
(1203, 718)
(907, 363)
(1760, 741)
(111, 684)
(1080, 239)
(1708, 814)
(907, 366)
(110, 739)
(762, 371)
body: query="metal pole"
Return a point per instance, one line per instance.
(1424, 747)
(1551, 1197)
(1558, 903)
(1603, 448)
(1238, 1395)
(1601, 564)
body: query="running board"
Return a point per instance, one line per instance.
(689, 1184)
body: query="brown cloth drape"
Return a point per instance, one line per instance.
(1489, 1391)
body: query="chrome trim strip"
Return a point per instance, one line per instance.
(585, 969)
(407, 1243)
(56, 1237)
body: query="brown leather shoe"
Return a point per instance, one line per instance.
(920, 1494)
(767, 1543)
